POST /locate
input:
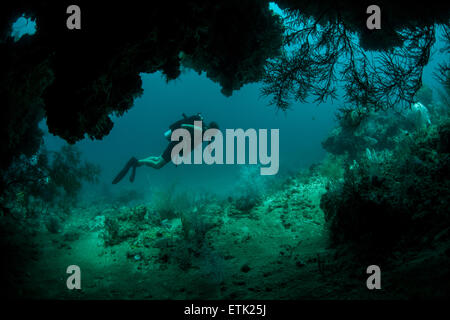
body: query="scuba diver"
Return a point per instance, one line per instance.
(157, 162)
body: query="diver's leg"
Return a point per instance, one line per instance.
(146, 162)
(130, 164)
(153, 162)
(160, 161)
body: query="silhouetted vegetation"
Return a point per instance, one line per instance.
(323, 56)
(394, 197)
(47, 179)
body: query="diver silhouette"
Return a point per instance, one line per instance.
(157, 162)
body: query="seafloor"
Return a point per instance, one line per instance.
(278, 250)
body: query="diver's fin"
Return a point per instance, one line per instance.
(131, 163)
(133, 174)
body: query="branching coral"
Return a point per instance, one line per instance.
(68, 171)
(322, 51)
(168, 203)
(330, 53)
(49, 177)
(250, 188)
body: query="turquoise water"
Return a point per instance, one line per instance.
(140, 132)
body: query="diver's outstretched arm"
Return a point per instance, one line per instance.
(153, 162)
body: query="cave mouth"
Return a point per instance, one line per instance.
(22, 26)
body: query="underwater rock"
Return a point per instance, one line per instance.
(377, 132)
(53, 224)
(245, 268)
(341, 141)
(98, 74)
(246, 203)
(117, 231)
(393, 196)
(400, 14)
(97, 224)
(25, 78)
(133, 215)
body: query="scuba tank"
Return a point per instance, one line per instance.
(186, 120)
